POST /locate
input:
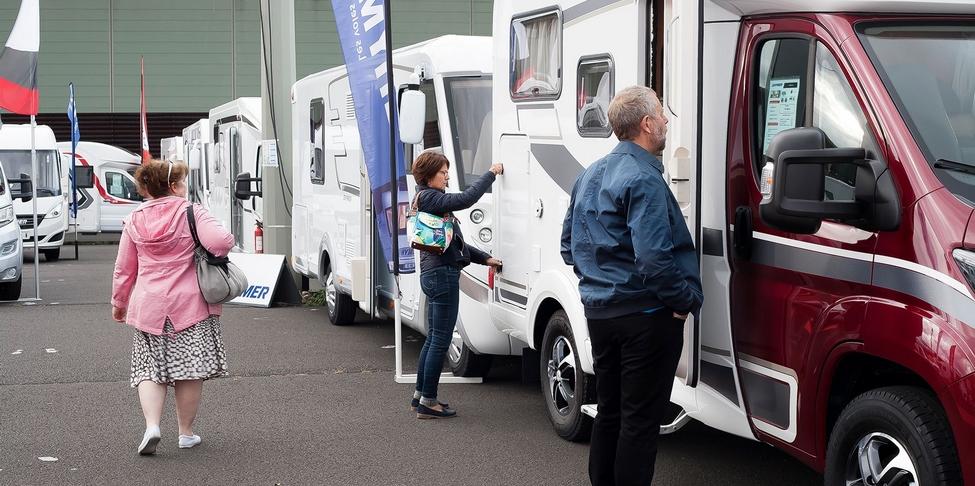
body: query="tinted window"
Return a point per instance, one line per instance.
(121, 186)
(316, 132)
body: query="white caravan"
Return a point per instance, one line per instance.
(198, 155)
(114, 195)
(171, 149)
(236, 153)
(51, 185)
(11, 249)
(332, 220)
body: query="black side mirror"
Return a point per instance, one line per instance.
(84, 177)
(798, 202)
(24, 190)
(242, 186)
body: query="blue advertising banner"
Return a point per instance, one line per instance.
(75, 137)
(362, 33)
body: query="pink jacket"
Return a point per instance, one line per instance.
(155, 275)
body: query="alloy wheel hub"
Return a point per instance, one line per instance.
(880, 460)
(562, 375)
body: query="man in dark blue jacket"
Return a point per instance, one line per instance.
(626, 238)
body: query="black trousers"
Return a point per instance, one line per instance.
(635, 360)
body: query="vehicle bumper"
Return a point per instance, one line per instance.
(50, 235)
(11, 253)
(963, 424)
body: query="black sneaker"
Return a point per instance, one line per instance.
(416, 403)
(424, 412)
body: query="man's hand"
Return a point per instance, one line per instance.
(118, 314)
(494, 262)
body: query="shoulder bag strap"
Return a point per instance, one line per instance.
(191, 219)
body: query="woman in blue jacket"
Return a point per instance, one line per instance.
(440, 273)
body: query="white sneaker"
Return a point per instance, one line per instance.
(149, 441)
(187, 441)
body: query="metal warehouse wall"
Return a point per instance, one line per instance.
(198, 53)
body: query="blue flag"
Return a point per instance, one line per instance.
(362, 33)
(75, 137)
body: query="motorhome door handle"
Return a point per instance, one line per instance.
(539, 208)
(743, 232)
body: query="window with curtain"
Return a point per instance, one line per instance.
(536, 56)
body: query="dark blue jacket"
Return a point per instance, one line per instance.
(438, 202)
(627, 240)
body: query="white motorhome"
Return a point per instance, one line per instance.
(822, 156)
(198, 155)
(171, 149)
(236, 152)
(51, 185)
(332, 220)
(114, 195)
(11, 249)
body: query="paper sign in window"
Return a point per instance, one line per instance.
(782, 107)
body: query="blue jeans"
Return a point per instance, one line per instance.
(442, 288)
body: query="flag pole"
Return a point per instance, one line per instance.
(394, 190)
(33, 189)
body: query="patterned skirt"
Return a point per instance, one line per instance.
(195, 353)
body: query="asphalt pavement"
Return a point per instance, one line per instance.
(308, 403)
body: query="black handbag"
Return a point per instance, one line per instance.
(220, 280)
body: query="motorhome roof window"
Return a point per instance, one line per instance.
(536, 56)
(17, 162)
(594, 90)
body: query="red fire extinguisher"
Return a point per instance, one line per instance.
(259, 238)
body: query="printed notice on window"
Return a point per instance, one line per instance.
(783, 103)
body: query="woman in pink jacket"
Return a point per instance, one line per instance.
(177, 339)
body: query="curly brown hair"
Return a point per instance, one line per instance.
(150, 177)
(426, 166)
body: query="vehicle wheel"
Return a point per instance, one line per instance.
(464, 361)
(52, 255)
(565, 387)
(341, 307)
(892, 436)
(11, 290)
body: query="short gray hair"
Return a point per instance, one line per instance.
(628, 108)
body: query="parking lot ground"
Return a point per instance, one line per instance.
(308, 403)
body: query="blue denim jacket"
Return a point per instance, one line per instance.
(626, 238)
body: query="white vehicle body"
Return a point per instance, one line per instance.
(11, 248)
(51, 185)
(171, 149)
(546, 141)
(236, 129)
(103, 207)
(198, 155)
(332, 220)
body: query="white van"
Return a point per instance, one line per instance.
(198, 155)
(11, 249)
(114, 195)
(332, 222)
(237, 154)
(51, 185)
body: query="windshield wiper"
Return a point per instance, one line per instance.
(954, 166)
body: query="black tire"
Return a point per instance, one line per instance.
(341, 307)
(463, 361)
(11, 290)
(52, 255)
(896, 419)
(564, 398)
